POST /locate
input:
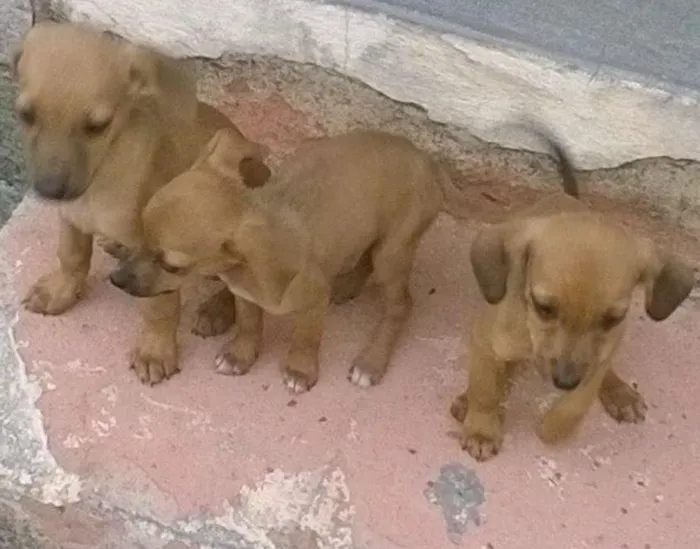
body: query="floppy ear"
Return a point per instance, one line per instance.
(668, 281)
(499, 255)
(230, 154)
(153, 75)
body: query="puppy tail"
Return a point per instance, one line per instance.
(566, 168)
(558, 151)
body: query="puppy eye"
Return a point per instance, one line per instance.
(96, 127)
(171, 268)
(546, 311)
(27, 115)
(610, 321)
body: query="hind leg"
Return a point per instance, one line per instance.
(392, 262)
(216, 315)
(349, 285)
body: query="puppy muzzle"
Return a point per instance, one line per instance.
(56, 187)
(566, 375)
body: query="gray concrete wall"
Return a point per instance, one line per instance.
(659, 41)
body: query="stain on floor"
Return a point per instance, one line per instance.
(460, 494)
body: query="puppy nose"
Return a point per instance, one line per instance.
(566, 375)
(122, 278)
(54, 187)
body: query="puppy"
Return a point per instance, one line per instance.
(558, 280)
(106, 123)
(339, 209)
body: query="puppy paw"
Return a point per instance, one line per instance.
(482, 431)
(480, 447)
(298, 382)
(155, 360)
(237, 357)
(560, 422)
(364, 375)
(216, 315)
(624, 404)
(301, 373)
(459, 407)
(52, 294)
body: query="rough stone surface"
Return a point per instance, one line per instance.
(475, 84)
(15, 16)
(91, 459)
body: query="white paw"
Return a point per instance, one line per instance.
(296, 384)
(224, 367)
(360, 378)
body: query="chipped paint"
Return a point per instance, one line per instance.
(460, 494)
(311, 505)
(26, 465)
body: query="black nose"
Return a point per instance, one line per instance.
(54, 187)
(566, 375)
(122, 278)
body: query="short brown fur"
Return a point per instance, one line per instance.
(338, 210)
(559, 280)
(106, 123)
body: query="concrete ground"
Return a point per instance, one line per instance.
(89, 458)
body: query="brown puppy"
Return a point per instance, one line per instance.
(106, 123)
(339, 209)
(559, 280)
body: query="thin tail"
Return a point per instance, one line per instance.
(560, 154)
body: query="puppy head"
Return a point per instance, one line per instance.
(189, 224)
(79, 92)
(575, 275)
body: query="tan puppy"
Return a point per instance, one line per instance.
(106, 123)
(339, 209)
(559, 280)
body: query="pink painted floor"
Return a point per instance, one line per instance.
(186, 446)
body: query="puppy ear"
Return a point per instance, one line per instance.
(230, 154)
(254, 171)
(222, 153)
(490, 262)
(152, 75)
(668, 281)
(499, 255)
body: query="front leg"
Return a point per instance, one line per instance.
(565, 415)
(239, 354)
(301, 369)
(155, 358)
(371, 364)
(620, 400)
(59, 290)
(481, 407)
